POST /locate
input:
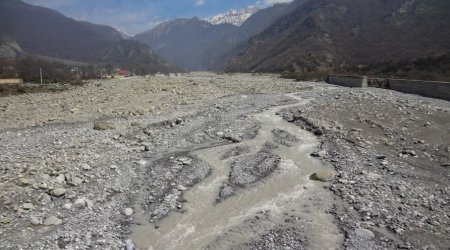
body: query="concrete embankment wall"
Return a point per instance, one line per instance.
(348, 81)
(439, 90)
(11, 81)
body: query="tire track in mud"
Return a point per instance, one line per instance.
(284, 200)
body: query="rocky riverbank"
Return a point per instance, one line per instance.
(95, 165)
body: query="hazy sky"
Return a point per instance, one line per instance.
(134, 16)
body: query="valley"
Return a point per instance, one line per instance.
(225, 124)
(223, 161)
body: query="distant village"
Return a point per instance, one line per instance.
(104, 73)
(76, 74)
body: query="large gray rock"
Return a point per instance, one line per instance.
(28, 206)
(35, 221)
(73, 180)
(364, 233)
(321, 153)
(128, 211)
(104, 126)
(323, 175)
(85, 166)
(52, 220)
(60, 179)
(58, 192)
(23, 182)
(83, 202)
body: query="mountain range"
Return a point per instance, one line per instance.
(195, 44)
(303, 36)
(28, 30)
(333, 34)
(191, 44)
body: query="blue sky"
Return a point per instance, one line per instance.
(134, 16)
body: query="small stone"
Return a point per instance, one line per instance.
(6, 220)
(185, 161)
(45, 198)
(58, 192)
(104, 126)
(89, 203)
(142, 162)
(179, 121)
(7, 201)
(148, 132)
(364, 233)
(128, 211)
(80, 203)
(83, 202)
(138, 125)
(373, 176)
(43, 186)
(52, 220)
(85, 166)
(409, 152)
(233, 138)
(445, 165)
(129, 245)
(404, 246)
(367, 224)
(23, 182)
(68, 206)
(321, 153)
(35, 221)
(74, 110)
(324, 175)
(27, 206)
(60, 179)
(182, 200)
(181, 188)
(74, 180)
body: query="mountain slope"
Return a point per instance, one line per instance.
(262, 19)
(46, 32)
(321, 34)
(9, 49)
(107, 32)
(256, 24)
(192, 44)
(40, 31)
(137, 56)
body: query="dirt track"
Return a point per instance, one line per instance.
(224, 162)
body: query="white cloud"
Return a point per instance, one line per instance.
(265, 3)
(53, 4)
(199, 2)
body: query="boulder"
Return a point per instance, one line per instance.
(104, 126)
(323, 175)
(52, 220)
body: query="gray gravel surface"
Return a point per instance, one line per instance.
(81, 167)
(389, 150)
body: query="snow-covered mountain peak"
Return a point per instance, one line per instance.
(234, 17)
